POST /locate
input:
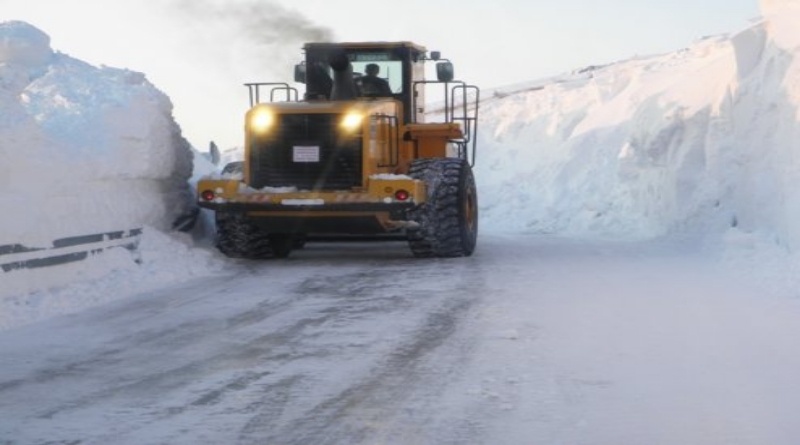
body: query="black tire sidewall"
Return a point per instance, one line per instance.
(468, 209)
(443, 212)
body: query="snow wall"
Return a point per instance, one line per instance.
(89, 157)
(702, 141)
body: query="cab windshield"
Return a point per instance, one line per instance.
(376, 72)
(379, 66)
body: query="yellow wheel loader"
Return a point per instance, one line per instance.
(358, 154)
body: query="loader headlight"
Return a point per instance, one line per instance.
(352, 121)
(262, 120)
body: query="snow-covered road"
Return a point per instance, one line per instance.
(533, 340)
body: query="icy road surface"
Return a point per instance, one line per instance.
(531, 341)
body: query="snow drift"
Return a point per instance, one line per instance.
(84, 152)
(699, 141)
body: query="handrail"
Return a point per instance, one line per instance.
(461, 105)
(468, 119)
(255, 92)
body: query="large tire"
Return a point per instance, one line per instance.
(299, 241)
(239, 238)
(448, 220)
(281, 244)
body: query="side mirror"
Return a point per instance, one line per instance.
(436, 55)
(213, 153)
(300, 73)
(445, 72)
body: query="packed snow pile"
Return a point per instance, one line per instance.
(85, 153)
(700, 141)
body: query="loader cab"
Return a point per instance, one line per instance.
(400, 64)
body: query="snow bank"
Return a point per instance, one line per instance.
(160, 261)
(701, 141)
(772, 8)
(84, 151)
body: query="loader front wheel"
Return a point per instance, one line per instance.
(239, 238)
(448, 220)
(281, 244)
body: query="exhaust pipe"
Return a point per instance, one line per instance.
(344, 87)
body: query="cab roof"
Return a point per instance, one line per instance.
(366, 45)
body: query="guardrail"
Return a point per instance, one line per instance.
(65, 250)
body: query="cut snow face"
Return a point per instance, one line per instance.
(700, 141)
(85, 152)
(24, 55)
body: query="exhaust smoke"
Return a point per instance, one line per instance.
(255, 35)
